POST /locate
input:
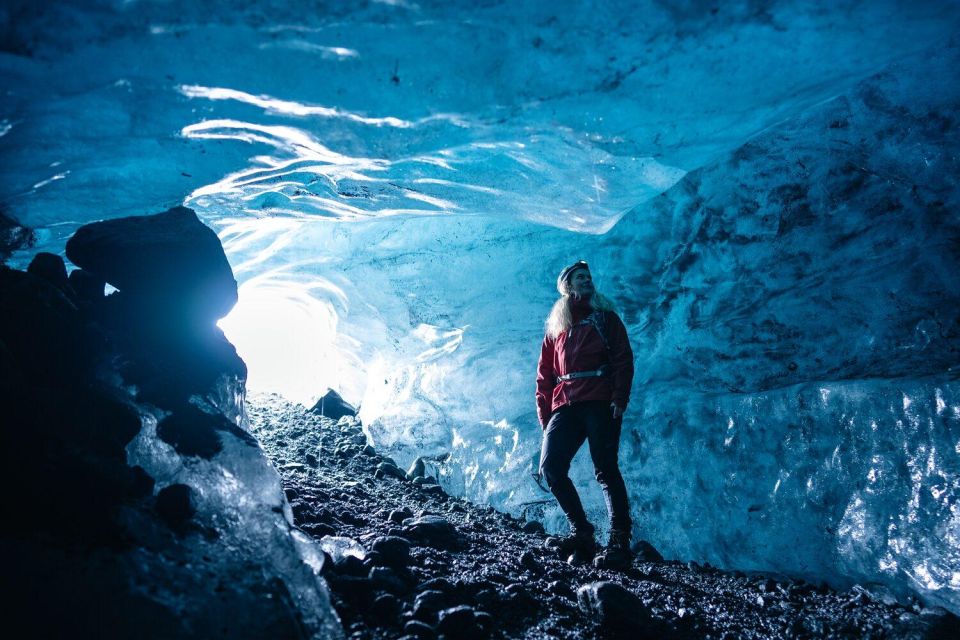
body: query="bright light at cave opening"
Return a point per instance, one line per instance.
(286, 336)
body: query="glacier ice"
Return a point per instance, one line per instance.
(396, 213)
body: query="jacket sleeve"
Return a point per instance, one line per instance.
(546, 380)
(621, 361)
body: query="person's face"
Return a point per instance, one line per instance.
(581, 284)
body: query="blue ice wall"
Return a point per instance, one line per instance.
(798, 326)
(397, 184)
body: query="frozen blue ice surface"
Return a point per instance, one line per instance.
(397, 184)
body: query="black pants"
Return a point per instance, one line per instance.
(563, 437)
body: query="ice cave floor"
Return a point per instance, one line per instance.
(407, 560)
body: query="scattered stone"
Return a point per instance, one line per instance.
(51, 268)
(388, 469)
(416, 470)
(458, 622)
(193, 432)
(534, 527)
(419, 629)
(88, 288)
(643, 551)
(434, 490)
(386, 607)
(387, 579)
(397, 516)
(529, 561)
(432, 530)
(175, 505)
(393, 550)
(333, 406)
(428, 603)
(437, 584)
(619, 612)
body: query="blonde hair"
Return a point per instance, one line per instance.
(561, 316)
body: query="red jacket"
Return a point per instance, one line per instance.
(582, 349)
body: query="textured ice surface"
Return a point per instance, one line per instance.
(248, 542)
(397, 185)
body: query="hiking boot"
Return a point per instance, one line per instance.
(580, 542)
(617, 555)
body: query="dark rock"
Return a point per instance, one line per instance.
(432, 530)
(519, 594)
(387, 579)
(175, 504)
(645, 552)
(428, 603)
(87, 288)
(350, 565)
(333, 406)
(42, 331)
(385, 608)
(528, 561)
(458, 622)
(437, 584)
(619, 612)
(560, 588)
(51, 268)
(419, 629)
(417, 469)
(170, 262)
(433, 489)
(484, 620)
(354, 589)
(488, 598)
(192, 432)
(387, 469)
(393, 550)
(533, 527)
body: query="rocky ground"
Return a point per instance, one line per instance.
(407, 560)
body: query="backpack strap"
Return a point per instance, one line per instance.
(598, 320)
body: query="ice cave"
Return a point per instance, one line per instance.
(767, 190)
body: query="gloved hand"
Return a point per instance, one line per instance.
(616, 410)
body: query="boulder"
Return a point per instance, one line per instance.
(42, 330)
(619, 613)
(431, 530)
(87, 287)
(51, 268)
(168, 261)
(646, 552)
(393, 550)
(333, 406)
(175, 505)
(458, 622)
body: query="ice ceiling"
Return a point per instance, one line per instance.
(396, 185)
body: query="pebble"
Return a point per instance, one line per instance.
(432, 530)
(458, 622)
(393, 550)
(419, 629)
(388, 580)
(387, 469)
(428, 603)
(399, 515)
(533, 527)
